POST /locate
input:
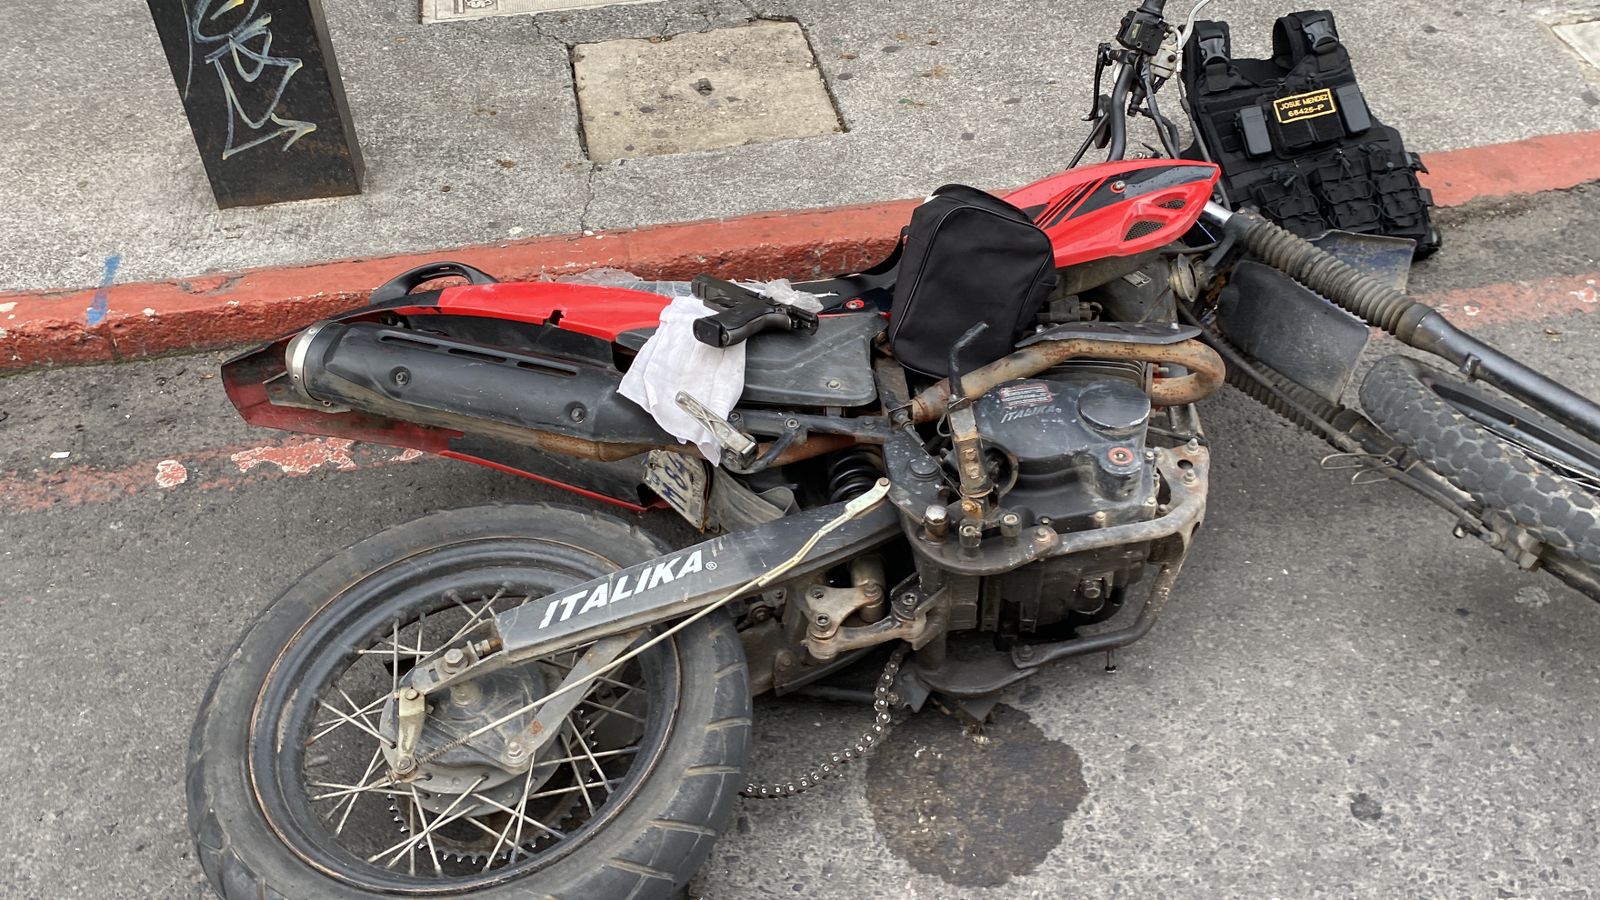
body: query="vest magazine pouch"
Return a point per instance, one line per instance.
(1286, 198)
(1294, 135)
(1345, 189)
(968, 257)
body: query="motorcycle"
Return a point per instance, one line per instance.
(542, 700)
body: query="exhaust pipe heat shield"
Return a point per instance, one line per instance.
(552, 404)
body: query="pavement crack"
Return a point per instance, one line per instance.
(588, 196)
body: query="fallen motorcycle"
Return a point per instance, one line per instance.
(542, 701)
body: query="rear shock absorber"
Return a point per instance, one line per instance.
(852, 474)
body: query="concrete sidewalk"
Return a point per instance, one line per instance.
(470, 130)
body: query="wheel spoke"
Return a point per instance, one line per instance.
(355, 796)
(589, 754)
(422, 816)
(394, 665)
(345, 790)
(527, 786)
(359, 723)
(327, 726)
(473, 618)
(578, 774)
(599, 755)
(417, 838)
(610, 711)
(523, 816)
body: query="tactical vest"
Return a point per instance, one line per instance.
(1294, 136)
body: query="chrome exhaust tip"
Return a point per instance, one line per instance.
(296, 354)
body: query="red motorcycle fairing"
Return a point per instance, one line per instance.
(594, 310)
(1117, 208)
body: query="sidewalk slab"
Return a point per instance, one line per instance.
(132, 320)
(470, 129)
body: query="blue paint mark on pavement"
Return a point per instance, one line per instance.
(97, 306)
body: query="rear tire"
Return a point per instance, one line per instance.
(647, 847)
(1422, 407)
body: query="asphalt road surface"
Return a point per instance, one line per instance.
(1343, 701)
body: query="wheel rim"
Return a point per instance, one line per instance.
(1545, 442)
(319, 725)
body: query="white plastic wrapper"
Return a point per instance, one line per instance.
(784, 292)
(672, 361)
(620, 278)
(780, 290)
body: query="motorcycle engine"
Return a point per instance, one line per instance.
(1074, 442)
(1071, 454)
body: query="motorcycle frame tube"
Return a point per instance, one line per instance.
(1205, 371)
(705, 573)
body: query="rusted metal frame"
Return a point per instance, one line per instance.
(1205, 371)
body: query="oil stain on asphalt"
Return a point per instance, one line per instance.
(975, 809)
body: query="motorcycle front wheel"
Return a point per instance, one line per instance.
(1513, 460)
(289, 788)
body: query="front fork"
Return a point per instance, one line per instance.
(1416, 324)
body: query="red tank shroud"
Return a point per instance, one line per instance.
(1117, 208)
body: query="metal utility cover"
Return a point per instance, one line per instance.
(459, 10)
(1583, 37)
(700, 91)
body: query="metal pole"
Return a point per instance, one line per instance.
(262, 93)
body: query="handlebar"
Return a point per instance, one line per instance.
(1142, 36)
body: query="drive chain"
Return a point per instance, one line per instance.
(835, 767)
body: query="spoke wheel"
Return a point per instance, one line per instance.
(467, 819)
(642, 758)
(1516, 462)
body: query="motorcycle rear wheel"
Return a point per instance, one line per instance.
(263, 806)
(1515, 461)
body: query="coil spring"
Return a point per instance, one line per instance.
(852, 474)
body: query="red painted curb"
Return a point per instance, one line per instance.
(51, 327)
(144, 319)
(1549, 163)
